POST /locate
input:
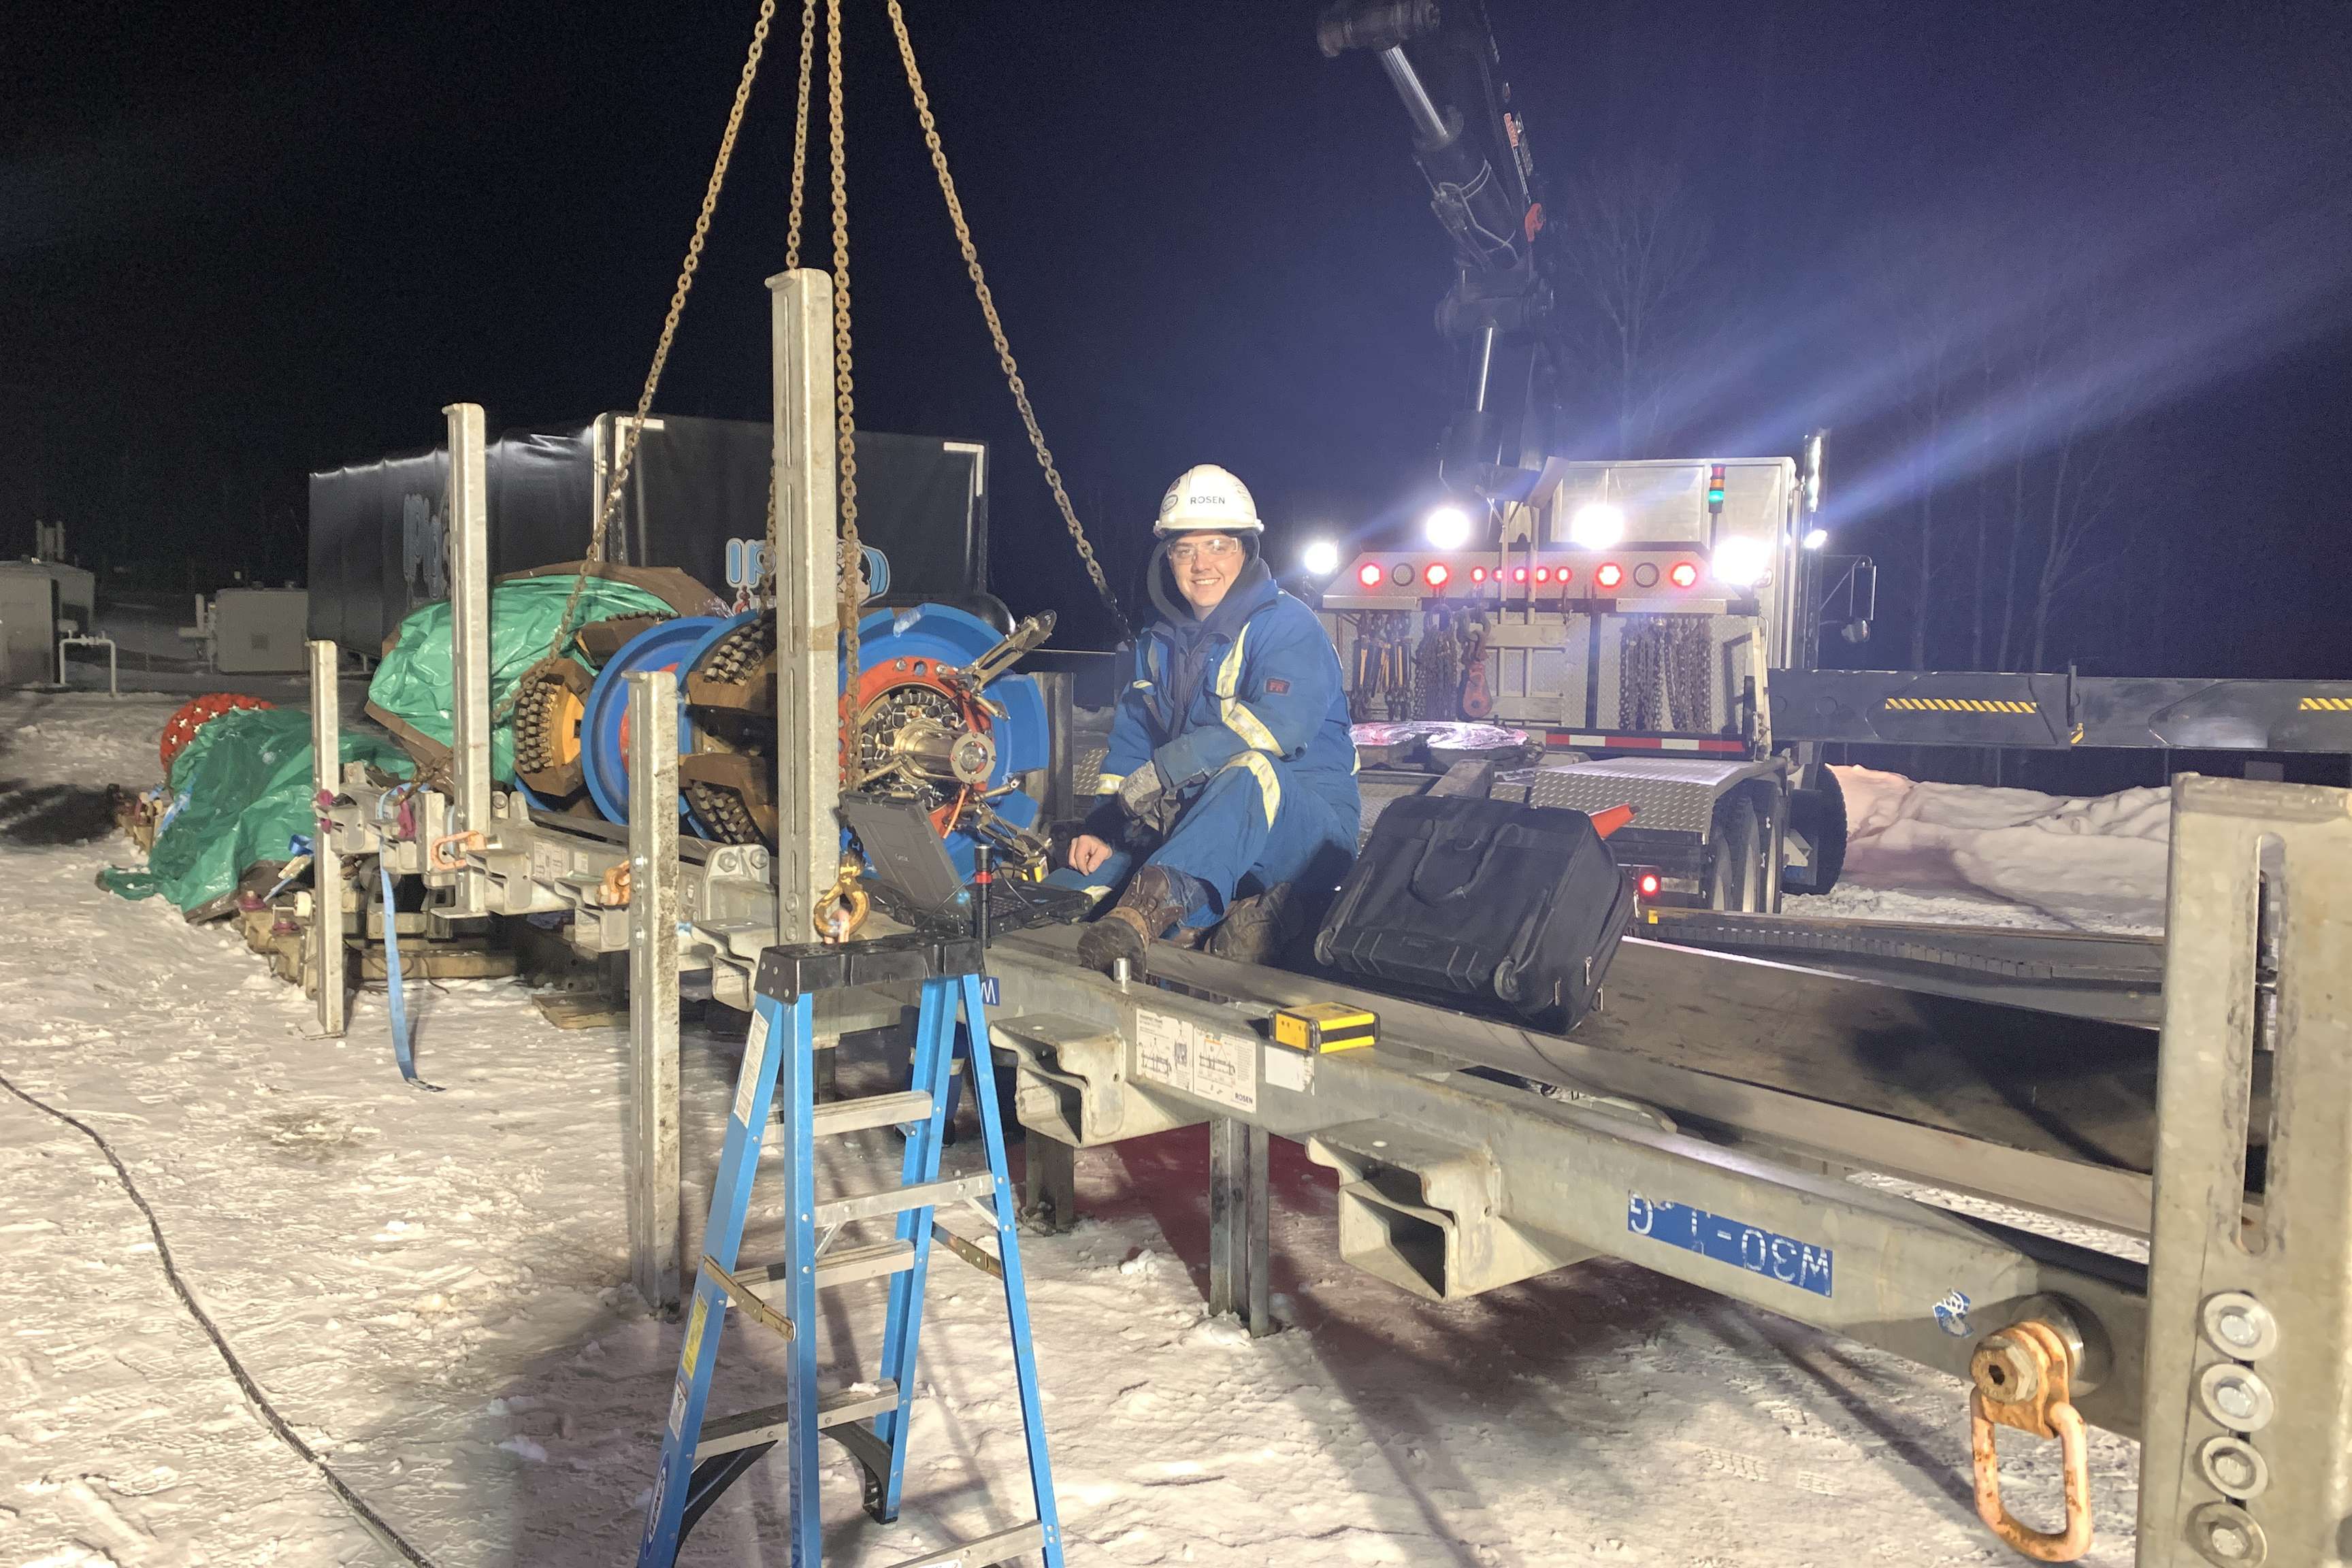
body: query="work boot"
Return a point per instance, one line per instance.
(1154, 900)
(1260, 928)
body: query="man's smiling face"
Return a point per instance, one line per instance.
(1206, 565)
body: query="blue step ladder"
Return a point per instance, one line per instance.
(699, 1460)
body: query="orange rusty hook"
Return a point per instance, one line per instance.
(2024, 1379)
(437, 855)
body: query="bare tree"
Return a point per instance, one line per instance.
(1632, 245)
(1920, 335)
(2088, 471)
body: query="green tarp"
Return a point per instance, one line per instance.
(413, 684)
(241, 793)
(241, 789)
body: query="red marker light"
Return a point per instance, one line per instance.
(1565, 573)
(1543, 573)
(1369, 575)
(1684, 574)
(1649, 884)
(1609, 575)
(1518, 574)
(1477, 573)
(1438, 574)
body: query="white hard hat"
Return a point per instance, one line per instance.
(1206, 499)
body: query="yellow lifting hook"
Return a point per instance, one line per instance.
(841, 912)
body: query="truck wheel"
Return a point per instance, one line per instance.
(1735, 865)
(1817, 817)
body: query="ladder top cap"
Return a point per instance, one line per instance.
(790, 971)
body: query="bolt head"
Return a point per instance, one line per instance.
(2005, 1371)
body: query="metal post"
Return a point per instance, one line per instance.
(1228, 1216)
(2246, 1455)
(1239, 1222)
(469, 638)
(807, 588)
(326, 864)
(1260, 1233)
(654, 1229)
(1049, 1183)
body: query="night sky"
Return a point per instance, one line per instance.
(240, 243)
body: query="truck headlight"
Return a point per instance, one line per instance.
(1742, 562)
(1596, 525)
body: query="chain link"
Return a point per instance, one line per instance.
(793, 230)
(995, 325)
(852, 554)
(800, 136)
(598, 547)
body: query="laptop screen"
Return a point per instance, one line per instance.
(905, 851)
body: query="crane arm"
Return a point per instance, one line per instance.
(1472, 148)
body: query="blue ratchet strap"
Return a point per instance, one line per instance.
(402, 1050)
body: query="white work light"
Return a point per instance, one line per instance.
(1321, 558)
(1741, 562)
(1596, 525)
(1817, 538)
(1447, 528)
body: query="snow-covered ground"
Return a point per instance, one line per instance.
(429, 1288)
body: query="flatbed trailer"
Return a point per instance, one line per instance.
(2089, 974)
(1706, 1123)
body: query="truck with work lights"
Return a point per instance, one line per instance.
(1646, 632)
(1630, 619)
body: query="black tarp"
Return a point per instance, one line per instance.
(379, 529)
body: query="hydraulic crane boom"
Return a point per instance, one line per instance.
(1472, 147)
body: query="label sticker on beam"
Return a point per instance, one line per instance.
(1202, 1062)
(1743, 1245)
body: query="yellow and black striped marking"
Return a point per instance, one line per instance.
(1318, 1027)
(2326, 705)
(1958, 705)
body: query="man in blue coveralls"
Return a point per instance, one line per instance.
(1228, 797)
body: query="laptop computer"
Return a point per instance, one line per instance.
(916, 883)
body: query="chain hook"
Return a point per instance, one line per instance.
(840, 913)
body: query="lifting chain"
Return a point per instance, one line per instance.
(853, 553)
(800, 139)
(598, 538)
(995, 325)
(793, 224)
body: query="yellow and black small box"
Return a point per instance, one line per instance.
(1322, 1026)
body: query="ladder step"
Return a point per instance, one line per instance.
(897, 1200)
(842, 1266)
(988, 1549)
(836, 1117)
(769, 1422)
